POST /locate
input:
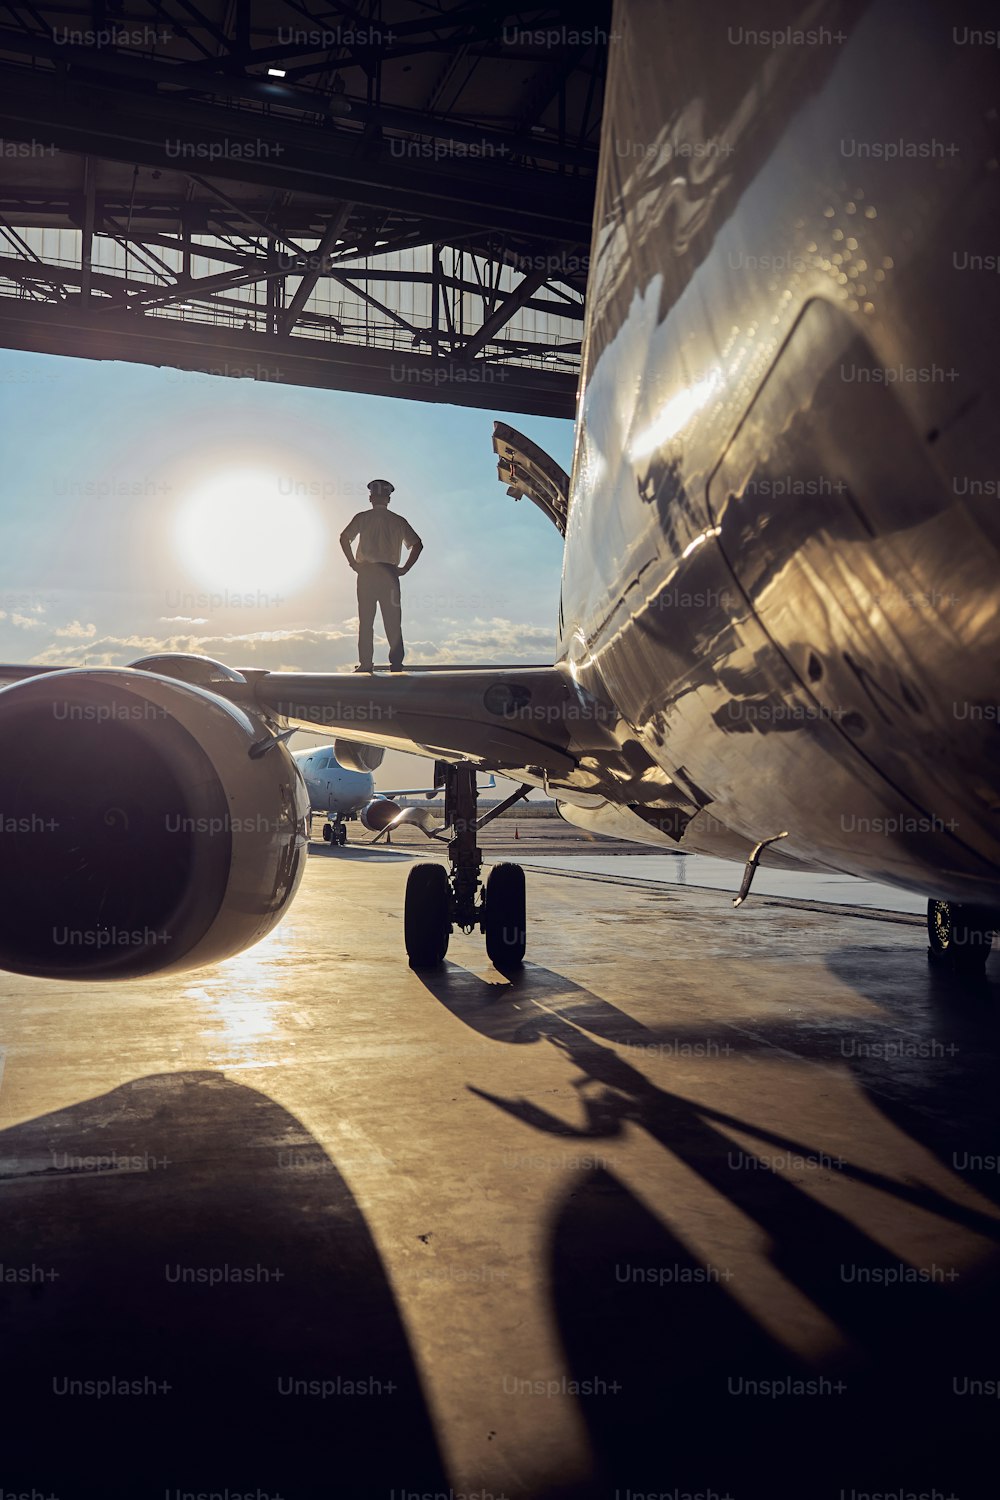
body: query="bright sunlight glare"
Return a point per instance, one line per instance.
(236, 531)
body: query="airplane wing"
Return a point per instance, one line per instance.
(426, 791)
(409, 791)
(10, 674)
(530, 721)
(533, 724)
(503, 719)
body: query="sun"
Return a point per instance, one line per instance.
(237, 531)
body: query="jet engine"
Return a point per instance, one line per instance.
(354, 756)
(379, 813)
(148, 824)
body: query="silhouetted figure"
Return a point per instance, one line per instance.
(381, 536)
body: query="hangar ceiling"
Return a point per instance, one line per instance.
(393, 198)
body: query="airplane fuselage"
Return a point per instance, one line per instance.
(782, 544)
(332, 788)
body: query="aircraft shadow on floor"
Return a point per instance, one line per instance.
(193, 1175)
(673, 1348)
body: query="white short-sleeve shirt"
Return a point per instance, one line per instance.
(381, 535)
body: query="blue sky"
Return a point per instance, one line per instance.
(150, 509)
(104, 460)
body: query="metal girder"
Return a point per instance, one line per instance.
(266, 230)
(331, 235)
(503, 314)
(564, 307)
(242, 146)
(31, 262)
(561, 309)
(79, 331)
(199, 288)
(391, 168)
(87, 241)
(221, 81)
(60, 277)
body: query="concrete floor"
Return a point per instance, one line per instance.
(531, 1238)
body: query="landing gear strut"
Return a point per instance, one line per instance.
(959, 936)
(437, 902)
(335, 832)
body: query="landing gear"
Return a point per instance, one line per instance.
(427, 916)
(335, 833)
(959, 936)
(436, 902)
(504, 918)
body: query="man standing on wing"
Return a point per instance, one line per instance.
(381, 536)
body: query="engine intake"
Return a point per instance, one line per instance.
(140, 835)
(379, 813)
(354, 756)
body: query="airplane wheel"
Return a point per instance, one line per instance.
(504, 917)
(327, 832)
(959, 936)
(342, 835)
(427, 915)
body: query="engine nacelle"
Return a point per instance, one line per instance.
(379, 813)
(357, 757)
(140, 835)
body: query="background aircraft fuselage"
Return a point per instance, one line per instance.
(333, 788)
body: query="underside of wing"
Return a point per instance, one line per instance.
(503, 719)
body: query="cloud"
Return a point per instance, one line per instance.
(492, 642)
(183, 620)
(75, 631)
(24, 623)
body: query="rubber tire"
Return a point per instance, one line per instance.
(959, 936)
(427, 915)
(505, 917)
(341, 835)
(327, 833)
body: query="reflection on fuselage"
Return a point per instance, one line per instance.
(782, 541)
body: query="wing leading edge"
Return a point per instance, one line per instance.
(514, 718)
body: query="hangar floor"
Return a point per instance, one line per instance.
(703, 1203)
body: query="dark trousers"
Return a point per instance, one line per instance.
(379, 586)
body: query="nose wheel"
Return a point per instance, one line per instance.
(438, 900)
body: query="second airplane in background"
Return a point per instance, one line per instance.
(343, 793)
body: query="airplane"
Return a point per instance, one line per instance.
(778, 626)
(342, 792)
(336, 790)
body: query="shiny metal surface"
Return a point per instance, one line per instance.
(788, 411)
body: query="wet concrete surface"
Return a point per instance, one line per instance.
(550, 843)
(702, 1202)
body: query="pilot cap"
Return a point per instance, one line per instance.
(381, 484)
